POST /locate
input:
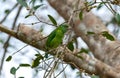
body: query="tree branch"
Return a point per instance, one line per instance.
(91, 65)
(103, 49)
(6, 44)
(9, 13)
(8, 31)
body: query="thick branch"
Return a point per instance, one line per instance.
(8, 31)
(34, 38)
(99, 45)
(103, 49)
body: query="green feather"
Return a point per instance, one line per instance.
(50, 37)
(55, 42)
(55, 38)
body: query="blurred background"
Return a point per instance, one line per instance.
(12, 14)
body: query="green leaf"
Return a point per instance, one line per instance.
(117, 17)
(27, 16)
(83, 50)
(90, 33)
(36, 62)
(108, 36)
(9, 58)
(70, 46)
(81, 15)
(46, 55)
(37, 6)
(39, 56)
(7, 11)
(99, 6)
(1, 41)
(52, 20)
(22, 2)
(24, 65)
(13, 70)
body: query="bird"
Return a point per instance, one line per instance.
(56, 36)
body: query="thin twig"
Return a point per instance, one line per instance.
(53, 68)
(7, 42)
(19, 49)
(45, 74)
(111, 7)
(9, 13)
(61, 71)
(108, 7)
(43, 21)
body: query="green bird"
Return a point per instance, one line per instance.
(55, 38)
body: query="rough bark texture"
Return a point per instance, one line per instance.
(89, 64)
(103, 49)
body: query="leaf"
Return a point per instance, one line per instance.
(22, 2)
(108, 36)
(37, 6)
(81, 15)
(1, 41)
(83, 50)
(99, 6)
(36, 62)
(27, 16)
(13, 70)
(117, 17)
(24, 65)
(70, 46)
(52, 20)
(9, 58)
(90, 33)
(7, 11)
(39, 56)
(46, 55)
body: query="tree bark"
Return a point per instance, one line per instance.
(89, 64)
(103, 49)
